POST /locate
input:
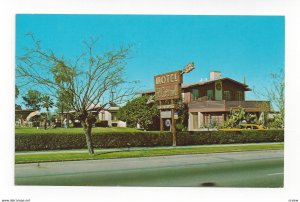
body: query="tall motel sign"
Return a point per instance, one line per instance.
(168, 89)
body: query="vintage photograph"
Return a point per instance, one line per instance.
(150, 100)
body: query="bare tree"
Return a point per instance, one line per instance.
(276, 95)
(87, 80)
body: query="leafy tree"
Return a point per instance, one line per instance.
(18, 107)
(88, 79)
(183, 116)
(33, 99)
(17, 92)
(64, 102)
(141, 111)
(137, 111)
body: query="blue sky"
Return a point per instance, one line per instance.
(238, 46)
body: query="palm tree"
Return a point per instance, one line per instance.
(47, 103)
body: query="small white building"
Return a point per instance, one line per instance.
(110, 115)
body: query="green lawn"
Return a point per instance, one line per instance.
(48, 157)
(28, 130)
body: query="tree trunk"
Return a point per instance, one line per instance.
(46, 120)
(88, 136)
(45, 123)
(62, 116)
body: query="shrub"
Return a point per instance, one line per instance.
(77, 125)
(229, 137)
(35, 124)
(58, 124)
(101, 124)
(35, 142)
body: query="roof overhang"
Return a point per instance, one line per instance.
(202, 83)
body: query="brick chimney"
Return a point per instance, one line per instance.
(215, 75)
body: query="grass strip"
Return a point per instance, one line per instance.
(54, 157)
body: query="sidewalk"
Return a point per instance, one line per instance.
(135, 148)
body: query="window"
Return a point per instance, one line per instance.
(210, 94)
(114, 116)
(239, 95)
(195, 94)
(227, 95)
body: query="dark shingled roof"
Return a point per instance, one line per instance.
(184, 86)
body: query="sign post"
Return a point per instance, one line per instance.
(168, 89)
(173, 126)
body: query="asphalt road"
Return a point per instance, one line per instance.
(234, 169)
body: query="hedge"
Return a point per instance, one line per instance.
(229, 137)
(35, 142)
(102, 123)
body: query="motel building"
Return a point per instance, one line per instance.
(211, 101)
